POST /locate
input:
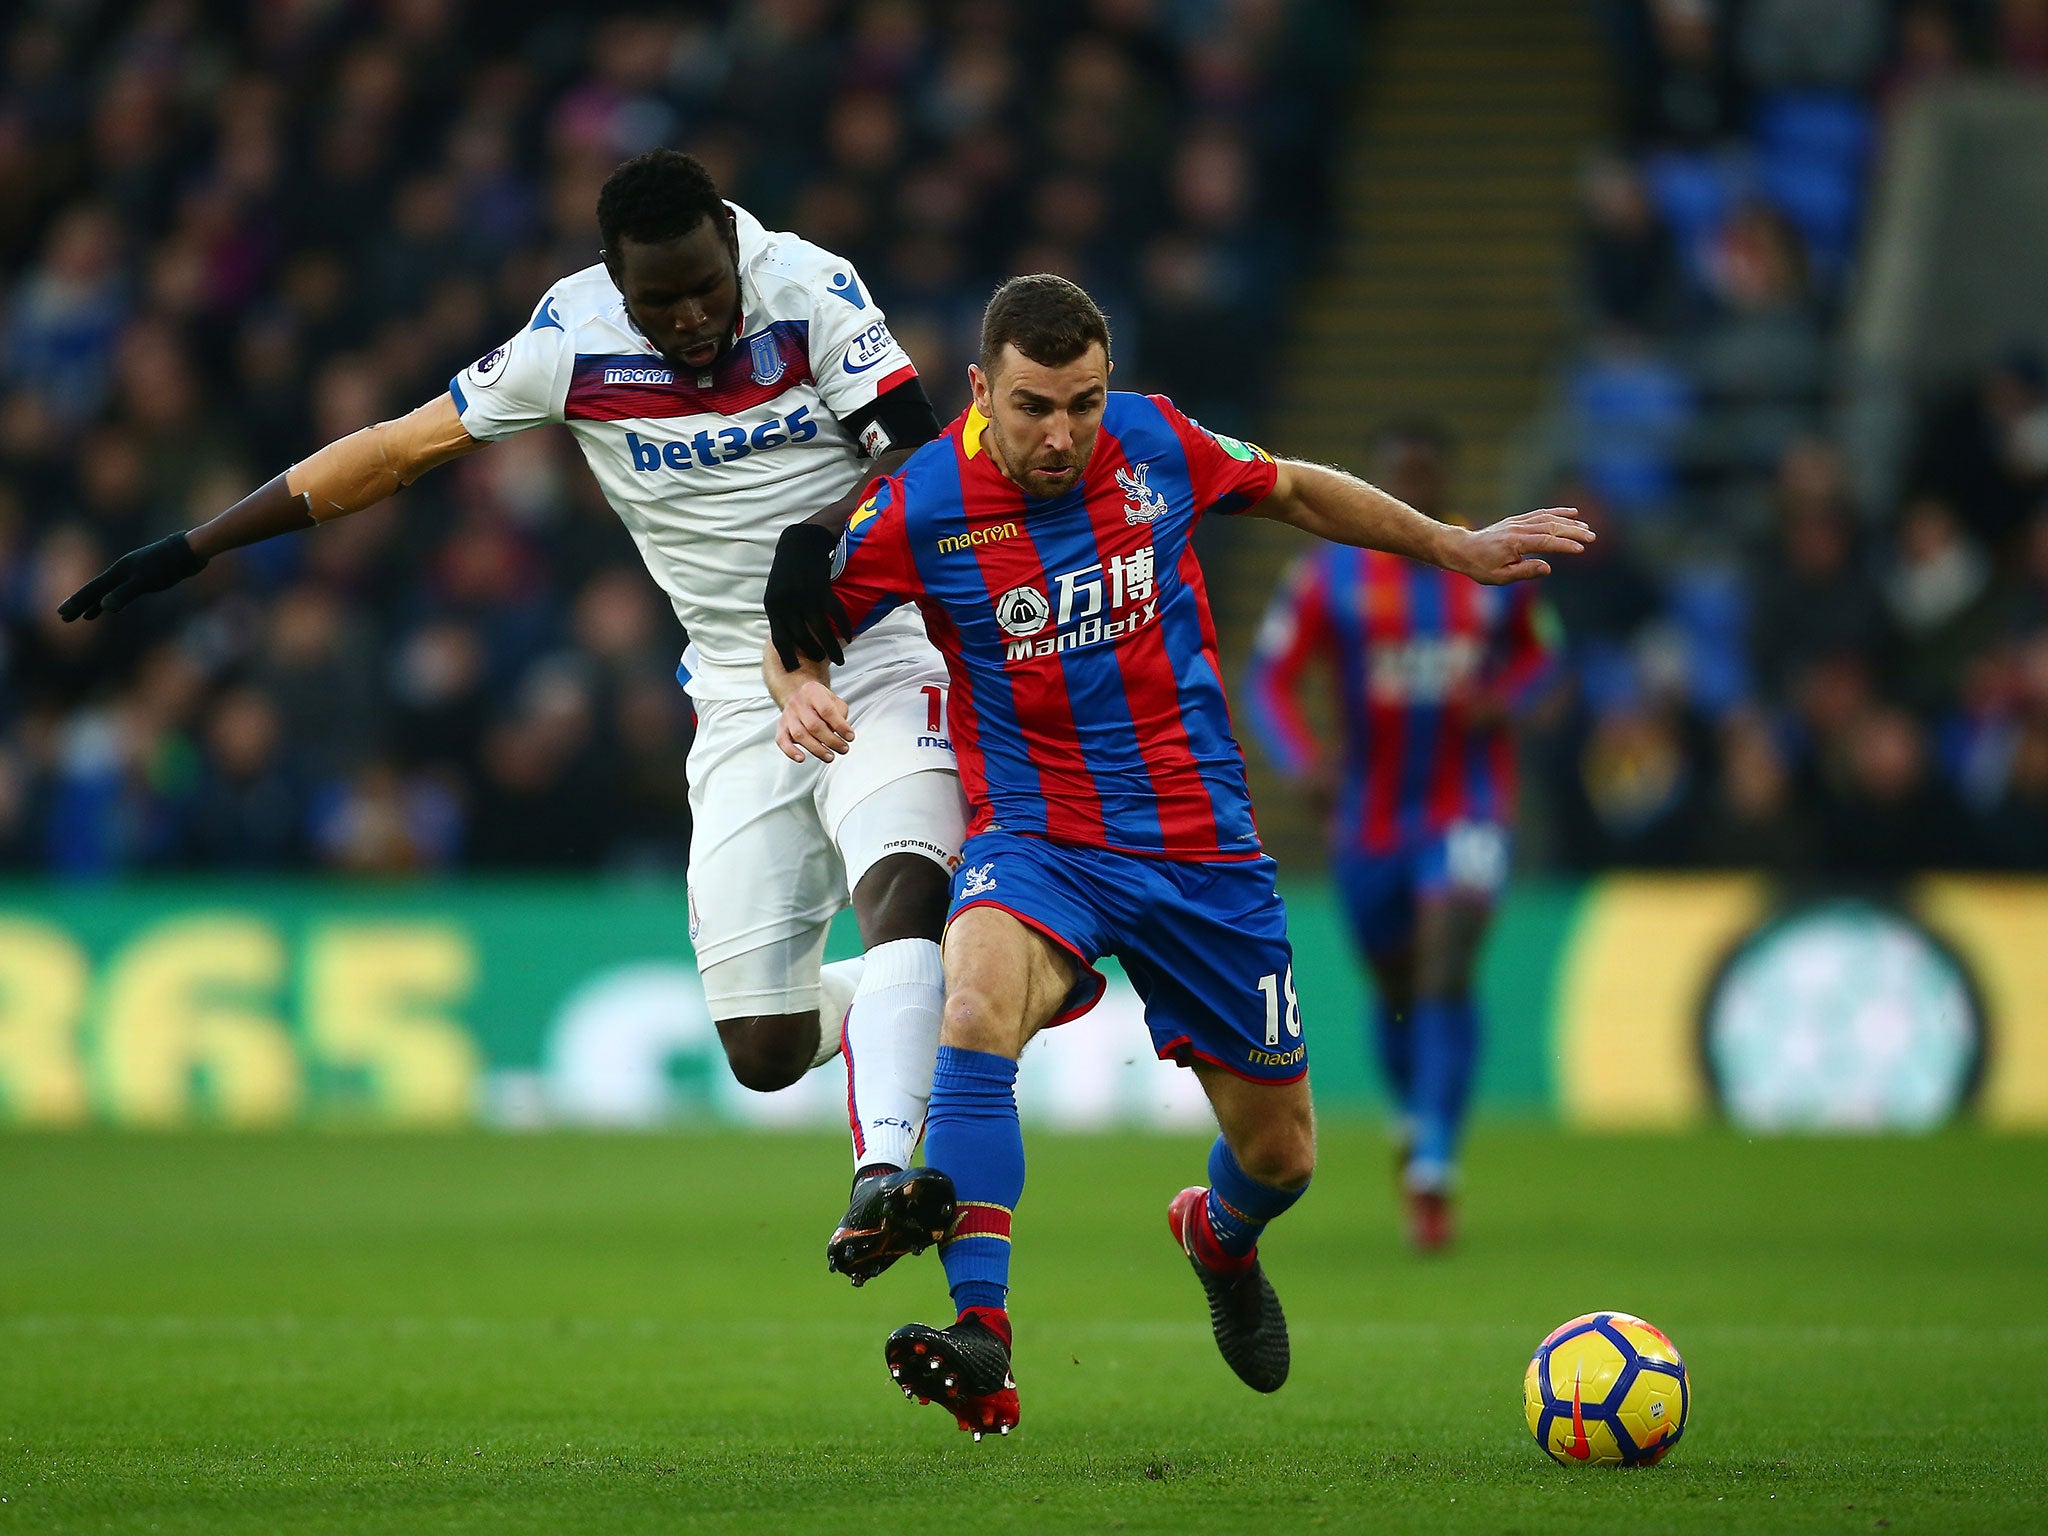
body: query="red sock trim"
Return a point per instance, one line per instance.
(860, 1140)
(995, 1319)
(1202, 1236)
(1240, 1215)
(978, 1218)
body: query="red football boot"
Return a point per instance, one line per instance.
(964, 1368)
(1244, 1311)
(1432, 1220)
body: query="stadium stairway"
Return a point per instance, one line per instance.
(1443, 294)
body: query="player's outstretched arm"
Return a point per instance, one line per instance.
(814, 718)
(1345, 510)
(346, 476)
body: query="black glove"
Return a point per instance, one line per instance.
(149, 569)
(805, 616)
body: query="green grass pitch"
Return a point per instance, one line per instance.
(322, 1333)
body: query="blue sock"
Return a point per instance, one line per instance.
(1446, 1050)
(1239, 1205)
(971, 1132)
(1394, 1035)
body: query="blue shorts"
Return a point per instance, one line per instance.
(1205, 945)
(1380, 891)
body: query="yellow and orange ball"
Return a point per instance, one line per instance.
(1606, 1390)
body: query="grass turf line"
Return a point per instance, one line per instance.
(508, 1334)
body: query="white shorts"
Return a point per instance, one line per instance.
(777, 847)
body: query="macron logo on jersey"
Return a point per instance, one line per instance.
(641, 386)
(845, 285)
(995, 533)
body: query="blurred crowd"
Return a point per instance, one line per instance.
(1769, 670)
(229, 233)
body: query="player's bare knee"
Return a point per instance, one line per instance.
(1280, 1166)
(1285, 1162)
(976, 1020)
(770, 1052)
(1280, 1151)
(1301, 1166)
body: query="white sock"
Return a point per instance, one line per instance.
(892, 1042)
(837, 984)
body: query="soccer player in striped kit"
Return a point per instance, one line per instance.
(1047, 539)
(1428, 669)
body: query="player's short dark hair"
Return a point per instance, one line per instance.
(1048, 319)
(660, 195)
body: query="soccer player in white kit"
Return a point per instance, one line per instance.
(725, 383)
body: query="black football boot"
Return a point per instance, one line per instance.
(965, 1368)
(891, 1215)
(1244, 1312)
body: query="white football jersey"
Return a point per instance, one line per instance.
(707, 469)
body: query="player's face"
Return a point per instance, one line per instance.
(684, 294)
(1043, 421)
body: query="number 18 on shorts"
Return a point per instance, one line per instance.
(1204, 944)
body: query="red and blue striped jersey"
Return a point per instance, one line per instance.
(1428, 666)
(1087, 704)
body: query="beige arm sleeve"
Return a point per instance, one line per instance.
(359, 470)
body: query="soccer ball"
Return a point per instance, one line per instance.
(1606, 1390)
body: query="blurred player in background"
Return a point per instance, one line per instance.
(723, 382)
(1048, 539)
(1428, 669)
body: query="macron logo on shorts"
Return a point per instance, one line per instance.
(978, 881)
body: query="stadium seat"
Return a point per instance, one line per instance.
(1812, 153)
(1695, 192)
(1629, 409)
